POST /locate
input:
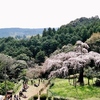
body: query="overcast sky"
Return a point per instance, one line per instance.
(45, 13)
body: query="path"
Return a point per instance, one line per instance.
(32, 90)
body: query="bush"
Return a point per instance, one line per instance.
(97, 82)
(42, 97)
(9, 86)
(35, 97)
(17, 86)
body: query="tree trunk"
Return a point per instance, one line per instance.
(80, 79)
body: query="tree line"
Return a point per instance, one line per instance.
(24, 53)
(39, 46)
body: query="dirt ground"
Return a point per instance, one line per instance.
(32, 90)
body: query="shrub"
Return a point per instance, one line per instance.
(17, 86)
(9, 86)
(42, 97)
(97, 82)
(35, 97)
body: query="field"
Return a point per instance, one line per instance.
(63, 88)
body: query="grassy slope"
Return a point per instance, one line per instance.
(64, 89)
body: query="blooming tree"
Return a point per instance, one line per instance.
(59, 65)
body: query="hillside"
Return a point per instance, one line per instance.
(94, 42)
(6, 32)
(40, 46)
(71, 51)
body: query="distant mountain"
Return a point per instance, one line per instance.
(6, 32)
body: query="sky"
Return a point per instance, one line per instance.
(45, 13)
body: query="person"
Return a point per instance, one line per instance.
(23, 90)
(22, 95)
(15, 97)
(19, 98)
(31, 82)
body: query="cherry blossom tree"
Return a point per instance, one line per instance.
(59, 65)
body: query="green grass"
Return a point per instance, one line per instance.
(62, 88)
(17, 86)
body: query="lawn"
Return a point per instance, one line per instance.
(62, 88)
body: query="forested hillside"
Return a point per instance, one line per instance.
(38, 46)
(18, 55)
